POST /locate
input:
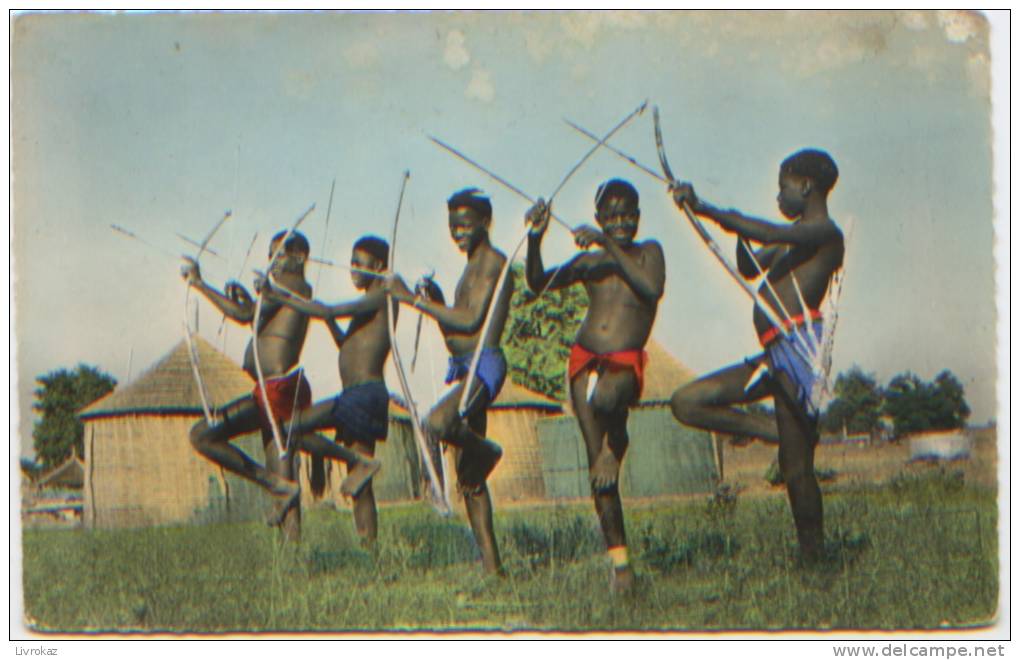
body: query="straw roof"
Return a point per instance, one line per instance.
(168, 387)
(663, 374)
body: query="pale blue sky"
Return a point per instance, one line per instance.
(160, 123)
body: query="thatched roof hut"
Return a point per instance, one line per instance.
(664, 457)
(140, 467)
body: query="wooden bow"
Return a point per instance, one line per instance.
(192, 351)
(438, 498)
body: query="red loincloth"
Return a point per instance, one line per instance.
(581, 358)
(797, 321)
(281, 392)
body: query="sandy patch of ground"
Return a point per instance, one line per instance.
(744, 466)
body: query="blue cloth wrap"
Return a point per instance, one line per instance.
(787, 356)
(491, 369)
(361, 412)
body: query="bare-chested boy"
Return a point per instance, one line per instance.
(475, 456)
(281, 336)
(805, 253)
(360, 413)
(624, 280)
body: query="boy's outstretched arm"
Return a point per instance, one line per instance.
(752, 228)
(369, 302)
(236, 303)
(537, 277)
(764, 256)
(465, 319)
(336, 332)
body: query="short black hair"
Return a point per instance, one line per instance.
(374, 246)
(296, 241)
(813, 164)
(473, 199)
(616, 188)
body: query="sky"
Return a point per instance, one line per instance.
(159, 123)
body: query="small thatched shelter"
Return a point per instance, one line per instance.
(69, 474)
(664, 457)
(140, 466)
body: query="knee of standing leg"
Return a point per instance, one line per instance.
(605, 402)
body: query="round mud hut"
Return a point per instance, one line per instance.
(140, 468)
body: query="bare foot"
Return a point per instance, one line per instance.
(359, 476)
(286, 495)
(479, 461)
(623, 580)
(606, 471)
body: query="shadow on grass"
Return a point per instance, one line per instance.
(332, 561)
(538, 544)
(433, 544)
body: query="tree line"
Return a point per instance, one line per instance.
(913, 405)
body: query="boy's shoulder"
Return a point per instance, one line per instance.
(651, 246)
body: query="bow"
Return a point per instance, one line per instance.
(782, 324)
(473, 368)
(405, 389)
(255, 336)
(244, 263)
(203, 394)
(325, 235)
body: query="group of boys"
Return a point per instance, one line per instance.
(624, 280)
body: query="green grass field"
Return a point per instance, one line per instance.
(916, 552)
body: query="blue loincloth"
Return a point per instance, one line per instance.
(788, 356)
(361, 412)
(491, 370)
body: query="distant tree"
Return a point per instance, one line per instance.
(918, 406)
(61, 395)
(857, 403)
(30, 468)
(949, 408)
(539, 334)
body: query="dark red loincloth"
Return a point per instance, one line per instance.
(581, 358)
(282, 392)
(797, 321)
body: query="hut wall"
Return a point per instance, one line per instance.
(519, 474)
(664, 457)
(141, 470)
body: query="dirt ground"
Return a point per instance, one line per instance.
(744, 466)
